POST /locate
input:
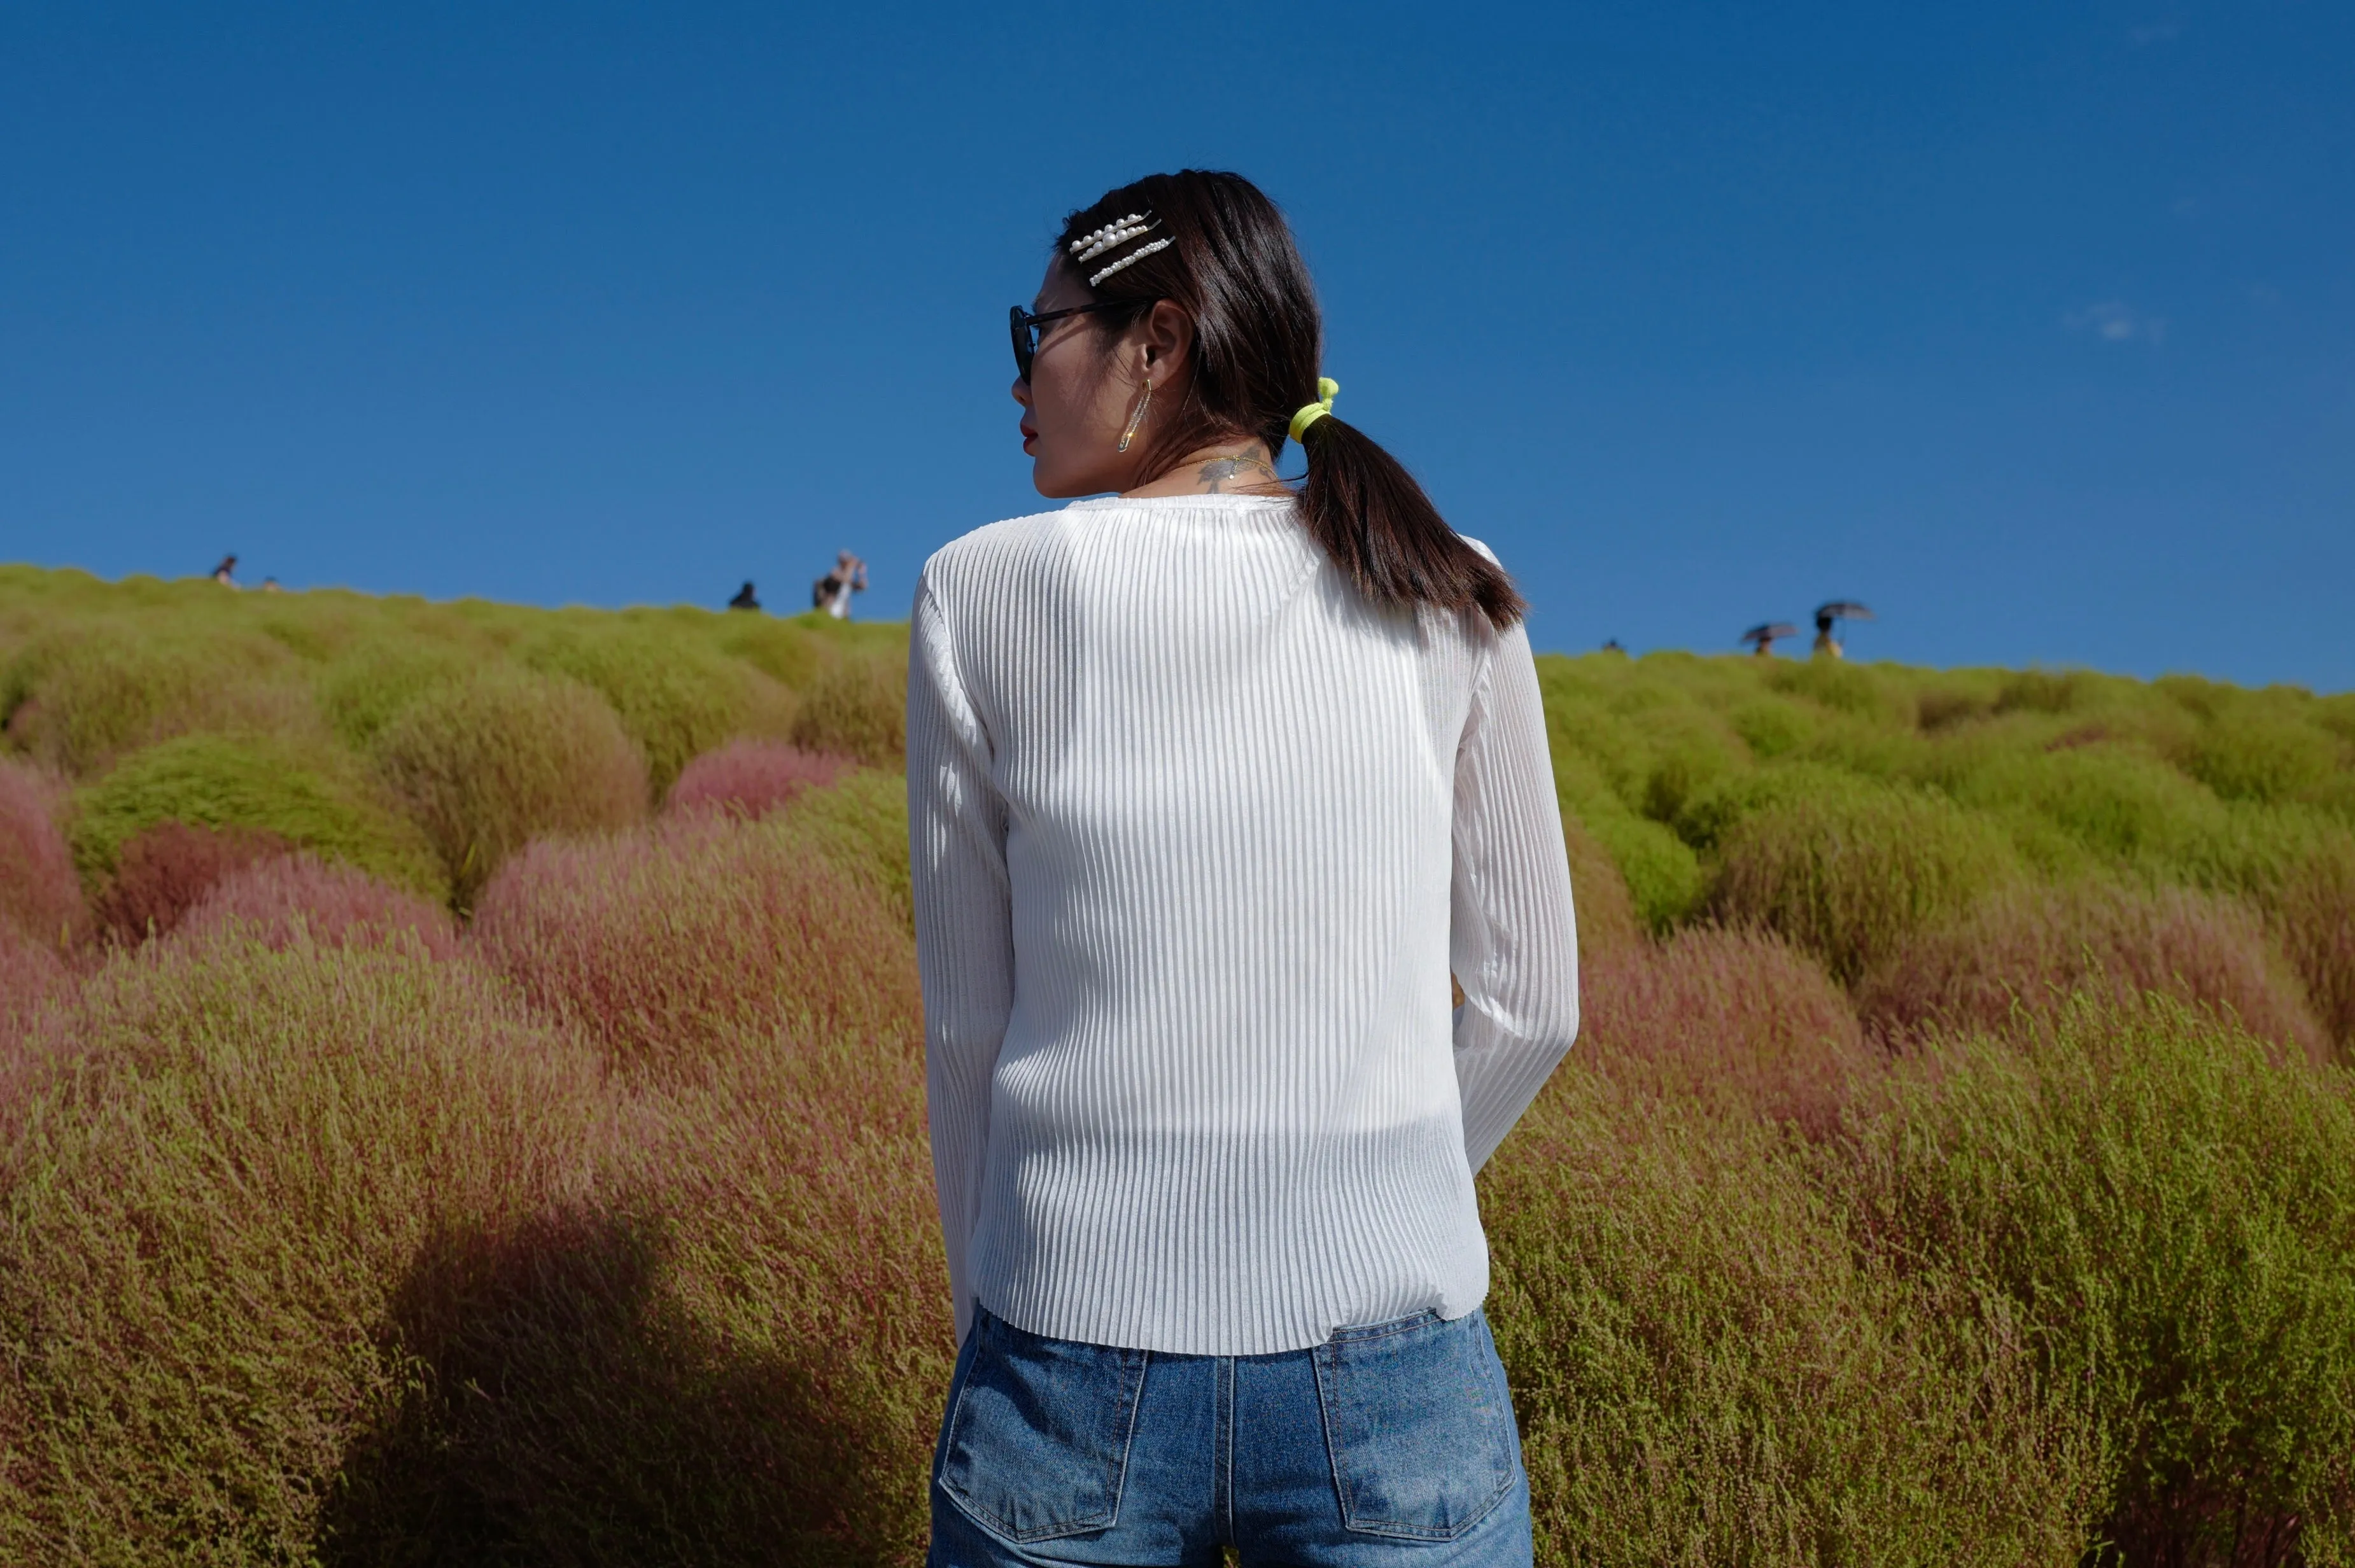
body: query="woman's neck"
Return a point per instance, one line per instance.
(1228, 468)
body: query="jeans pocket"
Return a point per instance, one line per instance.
(1035, 1444)
(1419, 1424)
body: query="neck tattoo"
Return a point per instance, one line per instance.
(1218, 470)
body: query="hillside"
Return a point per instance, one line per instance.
(461, 1099)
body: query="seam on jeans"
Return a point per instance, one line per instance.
(964, 1367)
(1228, 1364)
(1332, 1449)
(1361, 1333)
(1135, 1404)
(956, 1398)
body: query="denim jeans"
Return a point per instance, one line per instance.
(1388, 1444)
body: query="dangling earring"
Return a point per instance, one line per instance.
(1137, 418)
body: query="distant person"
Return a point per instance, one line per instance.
(1765, 635)
(1828, 616)
(269, 585)
(832, 592)
(744, 599)
(1211, 784)
(222, 573)
(1613, 645)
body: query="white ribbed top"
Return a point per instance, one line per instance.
(1199, 835)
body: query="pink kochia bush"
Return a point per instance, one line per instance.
(2015, 960)
(167, 869)
(278, 901)
(752, 778)
(38, 891)
(673, 940)
(1735, 1018)
(31, 973)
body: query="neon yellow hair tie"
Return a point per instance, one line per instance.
(1311, 412)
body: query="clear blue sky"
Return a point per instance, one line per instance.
(2031, 324)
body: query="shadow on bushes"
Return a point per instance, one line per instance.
(561, 1410)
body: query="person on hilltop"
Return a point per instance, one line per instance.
(1828, 616)
(744, 599)
(1212, 782)
(832, 592)
(224, 573)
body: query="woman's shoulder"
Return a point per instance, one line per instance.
(985, 552)
(1008, 536)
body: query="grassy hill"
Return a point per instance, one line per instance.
(461, 1099)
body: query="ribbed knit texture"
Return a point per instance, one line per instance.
(1199, 835)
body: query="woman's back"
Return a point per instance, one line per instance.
(1200, 832)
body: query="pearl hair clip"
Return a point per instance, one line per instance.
(1139, 254)
(1118, 232)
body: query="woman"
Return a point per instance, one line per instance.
(1211, 784)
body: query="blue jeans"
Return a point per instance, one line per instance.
(1388, 1444)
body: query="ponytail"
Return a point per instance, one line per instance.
(1216, 245)
(1379, 527)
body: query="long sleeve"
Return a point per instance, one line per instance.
(1513, 941)
(964, 945)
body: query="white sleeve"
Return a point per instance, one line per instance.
(964, 943)
(1514, 941)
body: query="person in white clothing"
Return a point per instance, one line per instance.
(1214, 781)
(832, 592)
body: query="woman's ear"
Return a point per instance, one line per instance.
(1167, 339)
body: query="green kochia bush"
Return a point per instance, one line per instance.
(2266, 757)
(1850, 876)
(300, 795)
(1706, 1371)
(2163, 1216)
(861, 824)
(87, 691)
(857, 706)
(362, 690)
(2123, 807)
(1662, 875)
(675, 697)
(485, 764)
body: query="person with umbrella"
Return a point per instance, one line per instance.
(1763, 635)
(1829, 614)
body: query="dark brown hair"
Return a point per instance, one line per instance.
(1257, 349)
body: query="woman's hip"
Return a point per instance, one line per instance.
(1390, 1443)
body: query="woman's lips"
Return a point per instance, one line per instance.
(1028, 435)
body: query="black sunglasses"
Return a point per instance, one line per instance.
(1027, 326)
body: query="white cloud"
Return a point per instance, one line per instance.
(2115, 321)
